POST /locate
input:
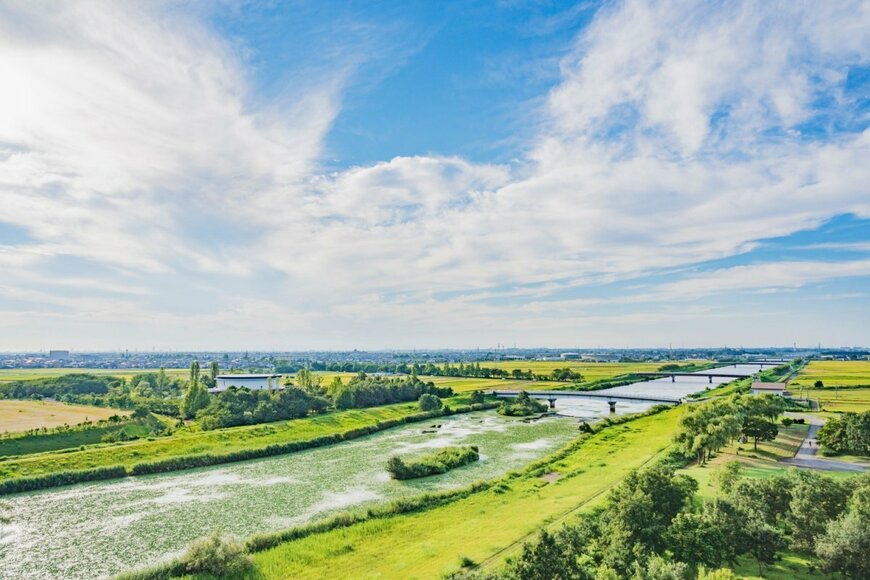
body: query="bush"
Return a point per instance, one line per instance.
(522, 406)
(440, 462)
(216, 555)
(787, 421)
(429, 402)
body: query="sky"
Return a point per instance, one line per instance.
(240, 175)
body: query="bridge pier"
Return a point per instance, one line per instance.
(552, 401)
(673, 378)
(710, 379)
(612, 406)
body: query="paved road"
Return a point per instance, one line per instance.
(807, 455)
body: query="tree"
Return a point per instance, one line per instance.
(196, 397)
(477, 398)
(759, 429)
(815, 500)
(429, 402)
(818, 385)
(214, 370)
(540, 560)
(696, 540)
(728, 475)
(845, 546)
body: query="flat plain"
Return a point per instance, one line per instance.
(9, 375)
(18, 416)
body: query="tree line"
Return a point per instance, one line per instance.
(708, 427)
(447, 369)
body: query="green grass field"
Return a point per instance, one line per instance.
(9, 375)
(856, 400)
(16, 416)
(493, 522)
(833, 373)
(589, 370)
(200, 442)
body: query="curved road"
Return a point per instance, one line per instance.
(807, 454)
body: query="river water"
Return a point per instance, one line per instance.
(664, 387)
(99, 529)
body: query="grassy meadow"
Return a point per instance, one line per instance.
(9, 375)
(591, 371)
(494, 522)
(16, 416)
(846, 385)
(834, 373)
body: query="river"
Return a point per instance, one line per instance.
(99, 529)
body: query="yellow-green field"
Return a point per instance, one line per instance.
(9, 375)
(428, 544)
(590, 371)
(24, 415)
(833, 373)
(843, 400)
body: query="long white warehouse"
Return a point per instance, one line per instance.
(252, 382)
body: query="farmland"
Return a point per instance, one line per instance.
(834, 374)
(846, 384)
(591, 371)
(25, 415)
(9, 375)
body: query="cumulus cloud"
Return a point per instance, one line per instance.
(677, 134)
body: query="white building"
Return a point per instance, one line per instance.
(759, 388)
(252, 382)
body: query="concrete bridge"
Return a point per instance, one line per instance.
(709, 375)
(551, 396)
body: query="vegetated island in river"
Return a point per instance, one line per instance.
(441, 461)
(522, 406)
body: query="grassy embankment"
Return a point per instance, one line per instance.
(483, 527)
(57, 439)
(219, 442)
(847, 384)
(16, 416)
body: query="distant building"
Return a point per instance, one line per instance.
(569, 355)
(252, 382)
(759, 388)
(58, 354)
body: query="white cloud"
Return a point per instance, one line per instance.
(131, 139)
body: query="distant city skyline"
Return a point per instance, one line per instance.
(339, 175)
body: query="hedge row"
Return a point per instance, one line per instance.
(61, 478)
(207, 459)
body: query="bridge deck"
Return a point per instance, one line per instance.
(698, 374)
(588, 394)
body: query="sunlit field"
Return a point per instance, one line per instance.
(24, 415)
(9, 375)
(589, 370)
(834, 373)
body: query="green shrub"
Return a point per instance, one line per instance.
(441, 461)
(522, 406)
(216, 555)
(429, 402)
(787, 421)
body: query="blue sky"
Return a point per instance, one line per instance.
(306, 175)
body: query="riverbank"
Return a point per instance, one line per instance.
(74, 532)
(495, 518)
(198, 449)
